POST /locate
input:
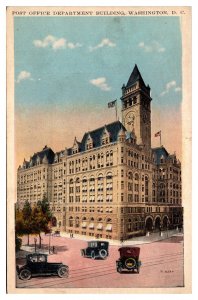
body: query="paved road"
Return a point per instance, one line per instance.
(162, 266)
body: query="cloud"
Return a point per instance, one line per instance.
(55, 43)
(104, 43)
(177, 89)
(23, 75)
(152, 47)
(101, 83)
(170, 86)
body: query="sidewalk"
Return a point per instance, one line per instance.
(149, 238)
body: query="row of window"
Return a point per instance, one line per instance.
(100, 198)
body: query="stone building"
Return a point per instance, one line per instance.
(111, 184)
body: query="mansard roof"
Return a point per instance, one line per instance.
(134, 77)
(96, 135)
(158, 153)
(48, 152)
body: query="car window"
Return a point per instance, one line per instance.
(41, 258)
(33, 258)
(37, 258)
(92, 244)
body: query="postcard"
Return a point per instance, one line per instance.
(98, 150)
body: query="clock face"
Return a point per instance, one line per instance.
(130, 118)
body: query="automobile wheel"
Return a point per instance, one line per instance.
(63, 272)
(82, 253)
(93, 255)
(103, 253)
(25, 274)
(130, 263)
(119, 269)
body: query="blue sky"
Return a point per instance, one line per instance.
(62, 75)
(69, 66)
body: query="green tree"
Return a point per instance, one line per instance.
(33, 220)
(41, 218)
(27, 219)
(19, 228)
(45, 207)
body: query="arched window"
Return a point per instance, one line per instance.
(130, 176)
(77, 222)
(84, 180)
(100, 177)
(109, 176)
(71, 222)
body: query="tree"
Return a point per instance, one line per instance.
(27, 219)
(41, 218)
(33, 220)
(45, 207)
(19, 223)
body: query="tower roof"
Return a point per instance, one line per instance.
(134, 77)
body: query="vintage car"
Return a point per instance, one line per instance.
(96, 249)
(37, 264)
(129, 259)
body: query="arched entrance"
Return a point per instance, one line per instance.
(157, 223)
(165, 222)
(149, 224)
(54, 221)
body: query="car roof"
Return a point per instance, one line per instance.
(129, 251)
(35, 253)
(98, 242)
(128, 248)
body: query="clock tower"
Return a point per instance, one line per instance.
(136, 109)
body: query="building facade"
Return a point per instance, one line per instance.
(112, 184)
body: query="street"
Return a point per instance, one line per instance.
(162, 266)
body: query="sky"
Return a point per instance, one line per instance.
(67, 69)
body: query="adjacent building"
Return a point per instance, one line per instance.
(111, 184)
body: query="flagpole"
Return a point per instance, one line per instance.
(160, 139)
(116, 110)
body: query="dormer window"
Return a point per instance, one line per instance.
(56, 158)
(89, 143)
(38, 160)
(45, 160)
(162, 160)
(75, 146)
(105, 137)
(61, 156)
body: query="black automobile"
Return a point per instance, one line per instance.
(96, 249)
(36, 265)
(129, 259)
